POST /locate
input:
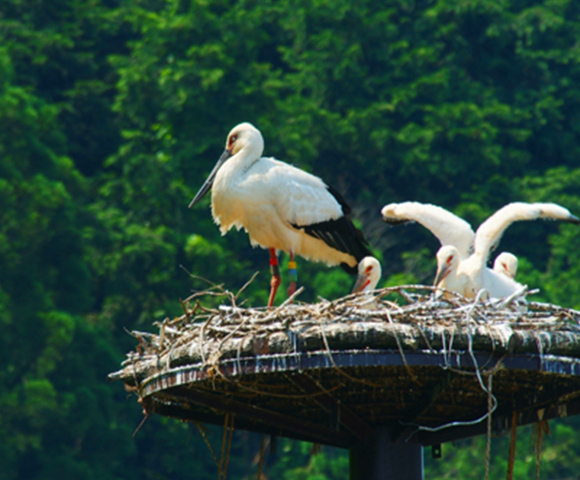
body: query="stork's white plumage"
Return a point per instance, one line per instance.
(446, 226)
(280, 206)
(488, 235)
(464, 269)
(449, 276)
(369, 274)
(464, 276)
(506, 263)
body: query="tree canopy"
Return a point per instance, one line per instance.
(114, 111)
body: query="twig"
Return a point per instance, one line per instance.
(488, 427)
(197, 277)
(502, 303)
(409, 371)
(145, 418)
(338, 369)
(246, 285)
(206, 440)
(291, 298)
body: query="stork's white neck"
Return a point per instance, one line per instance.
(247, 148)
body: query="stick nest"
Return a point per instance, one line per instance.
(407, 318)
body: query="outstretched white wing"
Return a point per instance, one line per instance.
(489, 233)
(446, 226)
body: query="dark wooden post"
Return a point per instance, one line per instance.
(382, 459)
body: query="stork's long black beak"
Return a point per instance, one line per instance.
(209, 181)
(361, 282)
(441, 274)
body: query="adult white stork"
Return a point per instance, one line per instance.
(462, 268)
(281, 207)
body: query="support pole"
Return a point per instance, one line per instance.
(382, 459)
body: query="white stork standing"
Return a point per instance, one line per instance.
(461, 262)
(281, 207)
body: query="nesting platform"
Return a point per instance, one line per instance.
(334, 372)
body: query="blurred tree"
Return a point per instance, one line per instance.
(113, 112)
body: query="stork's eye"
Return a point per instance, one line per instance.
(449, 259)
(369, 269)
(233, 139)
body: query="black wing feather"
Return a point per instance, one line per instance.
(397, 221)
(340, 234)
(342, 202)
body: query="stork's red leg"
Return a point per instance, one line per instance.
(276, 279)
(292, 273)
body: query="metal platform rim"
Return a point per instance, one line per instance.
(300, 361)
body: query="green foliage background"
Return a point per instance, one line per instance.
(113, 111)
